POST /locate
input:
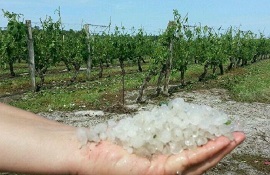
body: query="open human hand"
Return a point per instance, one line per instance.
(107, 158)
(35, 145)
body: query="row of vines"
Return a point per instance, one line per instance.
(179, 46)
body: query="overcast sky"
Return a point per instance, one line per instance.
(152, 15)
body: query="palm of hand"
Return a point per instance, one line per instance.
(107, 158)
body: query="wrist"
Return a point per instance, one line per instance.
(78, 160)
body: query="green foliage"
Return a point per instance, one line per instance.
(47, 45)
(180, 43)
(74, 50)
(122, 44)
(12, 41)
(102, 48)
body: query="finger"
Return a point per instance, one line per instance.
(191, 158)
(206, 165)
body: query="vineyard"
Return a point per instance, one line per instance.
(98, 62)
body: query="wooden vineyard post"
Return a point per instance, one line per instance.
(168, 70)
(89, 60)
(31, 54)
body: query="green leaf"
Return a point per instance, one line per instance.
(228, 122)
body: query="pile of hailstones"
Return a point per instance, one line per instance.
(166, 129)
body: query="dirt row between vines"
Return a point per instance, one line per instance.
(252, 157)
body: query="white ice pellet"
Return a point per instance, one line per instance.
(166, 129)
(165, 136)
(82, 136)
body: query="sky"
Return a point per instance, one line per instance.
(151, 15)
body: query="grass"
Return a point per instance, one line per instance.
(59, 94)
(247, 84)
(58, 99)
(250, 84)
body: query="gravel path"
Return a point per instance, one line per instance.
(254, 118)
